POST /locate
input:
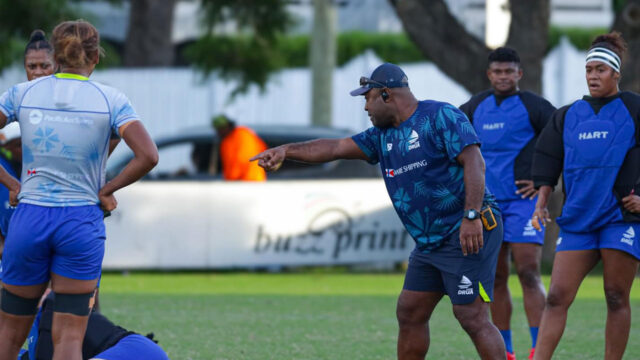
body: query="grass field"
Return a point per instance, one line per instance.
(318, 316)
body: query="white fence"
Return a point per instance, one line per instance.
(168, 99)
(216, 224)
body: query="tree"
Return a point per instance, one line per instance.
(19, 18)
(250, 57)
(627, 22)
(149, 41)
(460, 55)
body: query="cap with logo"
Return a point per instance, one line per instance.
(386, 75)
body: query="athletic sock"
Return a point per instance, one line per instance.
(506, 335)
(534, 336)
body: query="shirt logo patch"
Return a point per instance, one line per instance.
(413, 140)
(588, 135)
(465, 286)
(558, 241)
(494, 126)
(35, 117)
(529, 230)
(31, 172)
(405, 168)
(389, 146)
(628, 236)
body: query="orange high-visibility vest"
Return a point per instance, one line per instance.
(235, 151)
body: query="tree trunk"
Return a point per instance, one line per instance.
(149, 40)
(529, 34)
(460, 55)
(627, 22)
(442, 39)
(323, 61)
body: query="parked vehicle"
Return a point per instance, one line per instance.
(188, 154)
(184, 216)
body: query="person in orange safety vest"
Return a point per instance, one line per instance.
(238, 144)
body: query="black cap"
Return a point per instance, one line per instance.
(386, 75)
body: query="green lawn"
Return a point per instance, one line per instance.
(317, 316)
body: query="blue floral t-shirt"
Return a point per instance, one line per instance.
(423, 178)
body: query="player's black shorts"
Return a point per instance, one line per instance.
(461, 277)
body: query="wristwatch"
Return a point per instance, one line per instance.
(471, 214)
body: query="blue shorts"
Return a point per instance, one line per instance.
(516, 215)
(133, 347)
(68, 241)
(461, 277)
(620, 236)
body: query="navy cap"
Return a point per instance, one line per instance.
(386, 75)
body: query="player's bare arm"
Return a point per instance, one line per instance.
(3, 120)
(5, 178)
(145, 158)
(314, 151)
(471, 230)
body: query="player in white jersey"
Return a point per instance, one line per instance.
(57, 232)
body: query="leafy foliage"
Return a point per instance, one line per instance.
(19, 18)
(581, 38)
(254, 54)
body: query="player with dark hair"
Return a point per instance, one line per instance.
(38, 62)
(434, 174)
(508, 122)
(57, 231)
(595, 144)
(38, 56)
(103, 339)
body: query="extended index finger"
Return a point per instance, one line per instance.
(257, 157)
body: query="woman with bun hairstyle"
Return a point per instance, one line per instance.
(38, 62)
(38, 56)
(57, 231)
(595, 144)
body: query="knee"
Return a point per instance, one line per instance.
(409, 314)
(529, 277)
(557, 299)
(471, 320)
(617, 299)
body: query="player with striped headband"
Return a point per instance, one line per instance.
(595, 144)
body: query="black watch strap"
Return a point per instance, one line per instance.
(471, 214)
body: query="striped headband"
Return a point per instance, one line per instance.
(606, 56)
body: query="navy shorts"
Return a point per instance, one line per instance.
(516, 215)
(619, 236)
(68, 241)
(460, 277)
(133, 347)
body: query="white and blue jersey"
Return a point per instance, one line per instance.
(420, 170)
(66, 121)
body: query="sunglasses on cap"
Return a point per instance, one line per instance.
(365, 81)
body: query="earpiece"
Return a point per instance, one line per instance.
(385, 95)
